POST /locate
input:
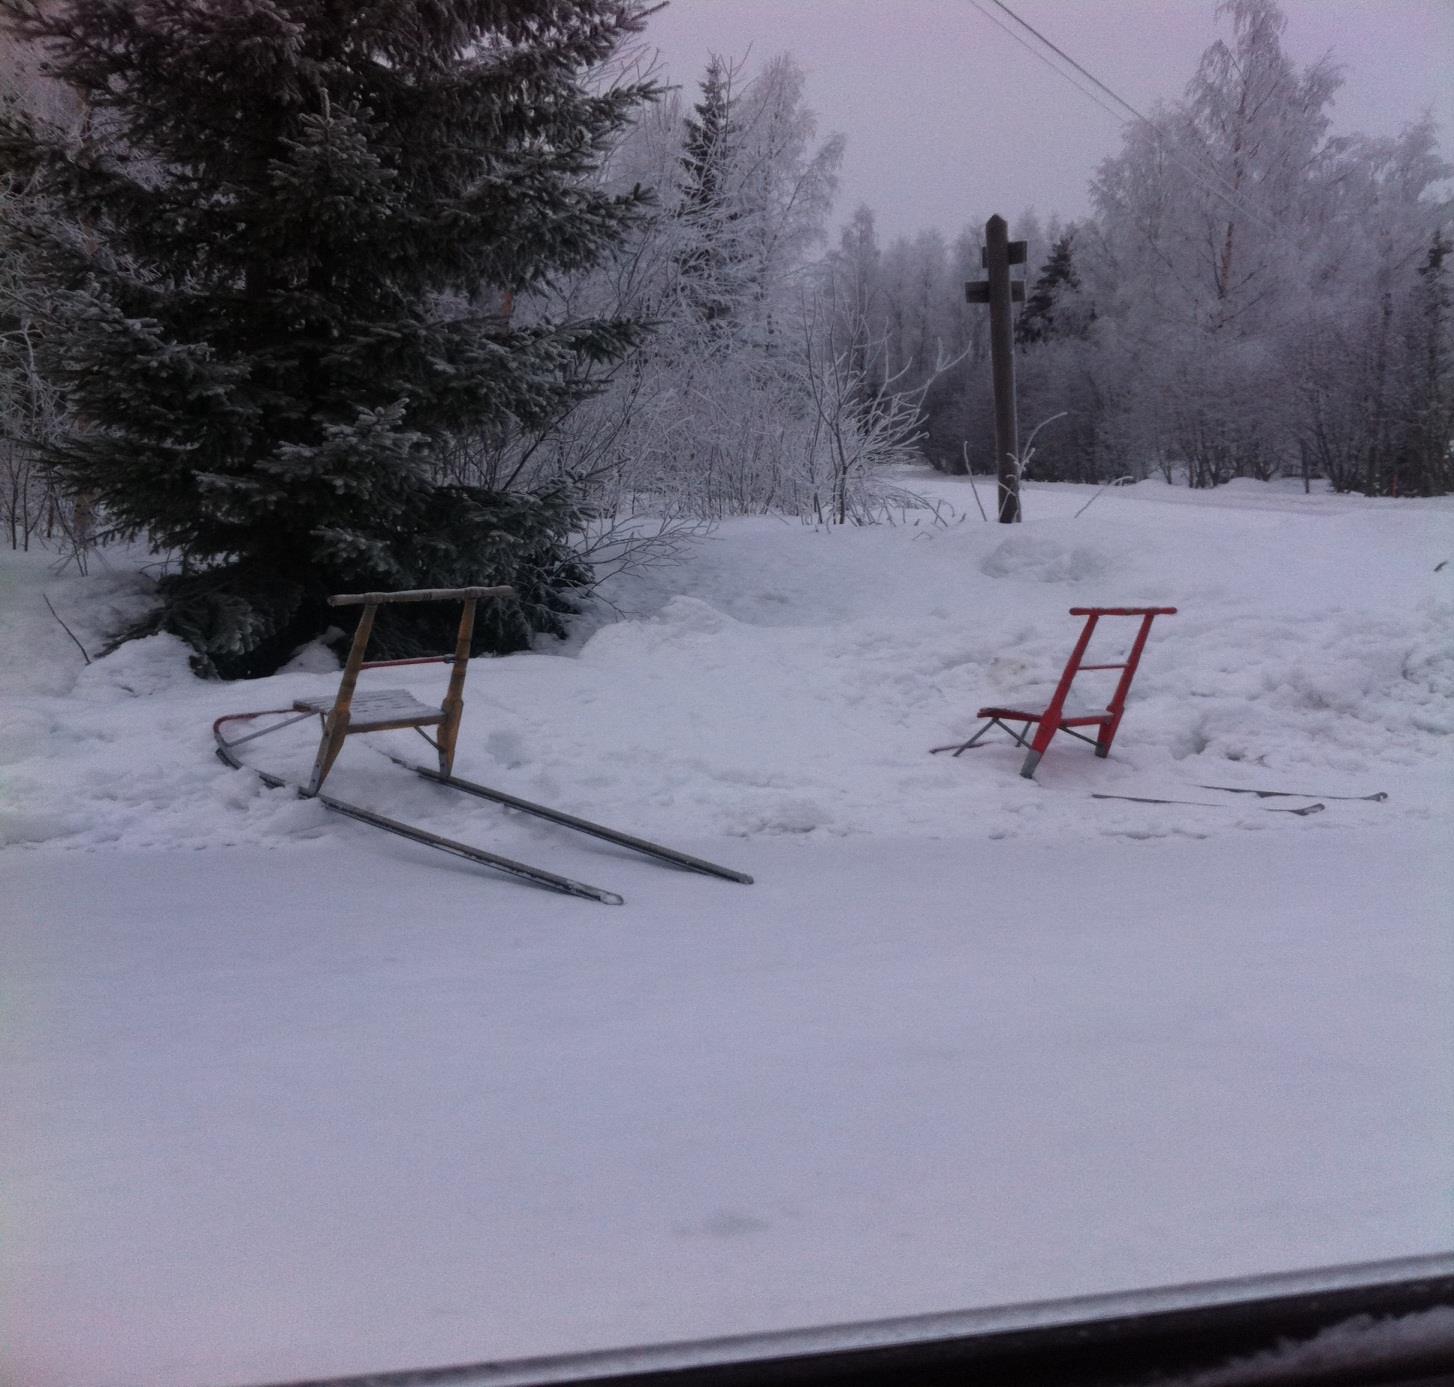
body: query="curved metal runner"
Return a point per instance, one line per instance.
(508, 865)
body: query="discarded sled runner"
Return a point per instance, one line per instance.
(1377, 797)
(1302, 812)
(348, 712)
(1057, 716)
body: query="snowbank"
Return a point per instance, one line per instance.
(791, 681)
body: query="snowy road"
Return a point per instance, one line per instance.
(276, 1113)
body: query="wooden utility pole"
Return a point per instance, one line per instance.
(1000, 291)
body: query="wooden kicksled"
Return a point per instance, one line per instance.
(349, 712)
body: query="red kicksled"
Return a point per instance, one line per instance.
(1056, 716)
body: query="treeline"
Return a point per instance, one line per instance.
(1252, 297)
(760, 386)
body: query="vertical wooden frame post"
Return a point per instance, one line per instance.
(453, 705)
(1002, 363)
(335, 721)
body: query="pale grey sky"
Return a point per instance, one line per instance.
(948, 119)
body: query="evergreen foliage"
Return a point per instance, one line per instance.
(1423, 457)
(1044, 318)
(706, 141)
(707, 259)
(279, 292)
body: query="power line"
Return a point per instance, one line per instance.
(1061, 53)
(1090, 76)
(1225, 192)
(1040, 57)
(1228, 192)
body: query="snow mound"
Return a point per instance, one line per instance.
(694, 614)
(139, 669)
(313, 658)
(1040, 559)
(684, 623)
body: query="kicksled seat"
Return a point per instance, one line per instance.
(1058, 715)
(385, 710)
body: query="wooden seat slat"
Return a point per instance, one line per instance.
(368, 711)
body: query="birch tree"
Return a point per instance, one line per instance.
(710, 418)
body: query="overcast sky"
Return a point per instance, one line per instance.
(948, 119)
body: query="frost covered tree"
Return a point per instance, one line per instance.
(711, 417)
(711, 259)
(753, 197)
(1208, 220)
(856, 271)
(1256, 282)
(1424, 464)
(1362, 380)
(1058, 371)
(935, 344)
(276, 302)
(31, 415)
(860, 421)
(32, 504)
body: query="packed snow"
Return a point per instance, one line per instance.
(286, 1097)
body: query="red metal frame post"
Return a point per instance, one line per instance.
(1050, 718)
(1117, 705)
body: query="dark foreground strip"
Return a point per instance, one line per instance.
(1122, 1340)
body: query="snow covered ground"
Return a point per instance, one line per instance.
(285, 1097)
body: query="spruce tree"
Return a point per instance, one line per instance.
(1424, 466)
(275, 303)
(1039, 320)
(707, 262)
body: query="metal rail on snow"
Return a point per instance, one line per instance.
(1377, 797)
(557, 816)
(1303, 812)
(508, 865)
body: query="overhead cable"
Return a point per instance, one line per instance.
(1226, 192)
